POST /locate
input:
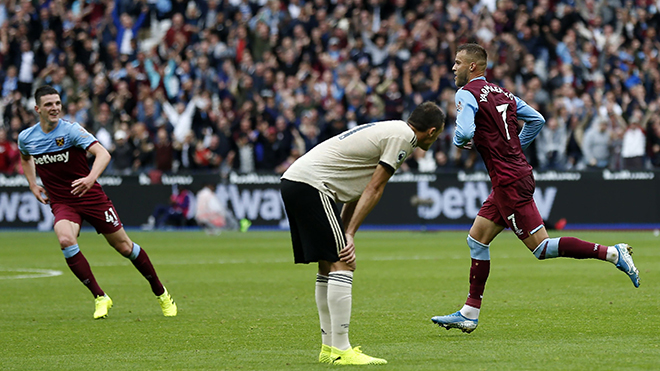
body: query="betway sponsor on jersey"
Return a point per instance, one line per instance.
(51, 159)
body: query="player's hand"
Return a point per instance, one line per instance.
(40, 193)
(467, 145)
(347, 254)
(81, 186)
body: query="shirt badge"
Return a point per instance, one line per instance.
(459, 106)
(59, 141)
(402, 156)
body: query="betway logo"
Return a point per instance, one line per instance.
(455, 203)
(49, 159)
(19, 209)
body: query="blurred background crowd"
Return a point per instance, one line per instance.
(249, 86)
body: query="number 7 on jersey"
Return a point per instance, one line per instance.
(502, 109)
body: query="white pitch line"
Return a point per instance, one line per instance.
(37, 273)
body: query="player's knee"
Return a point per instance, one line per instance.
(478, 250)
(547, 249)
(124, 247)
(66, 241)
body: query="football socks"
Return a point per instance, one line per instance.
(144, 266)
(340, 285)
(321, 293)
(80, 268)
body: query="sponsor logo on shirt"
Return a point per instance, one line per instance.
(402, 156)
(51, 159)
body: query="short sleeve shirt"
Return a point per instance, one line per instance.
(343, 165)
(60, 157)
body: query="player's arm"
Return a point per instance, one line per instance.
(347, 212)
(357, 211)
(82, 185)
(534, 122)
(29, 169)
(466, 109)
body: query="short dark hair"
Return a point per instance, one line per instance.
(476, 53)
(426, 116)
(44, 90)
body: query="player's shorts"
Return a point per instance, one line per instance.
(101, 215)
(513, 206)
(316, 229)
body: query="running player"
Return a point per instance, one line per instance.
(353, 168)
(487, 117)
(57, 150)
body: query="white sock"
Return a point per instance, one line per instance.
(612, 254)
(321, 294)
(340, 284)
(470, 312)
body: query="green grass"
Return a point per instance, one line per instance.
(243, 305)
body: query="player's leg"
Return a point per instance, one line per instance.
(544, 247)
(321, 297)
(104, 218)
(340, 301)
(317, 235)
(517, 204)
(138, 256)
(481, 234)
(67, 235)
(120, 241)
(310, 232)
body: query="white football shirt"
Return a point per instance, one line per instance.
(343, 165)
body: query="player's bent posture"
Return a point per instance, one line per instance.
(487, 117)
(352, 168)
(56, 150)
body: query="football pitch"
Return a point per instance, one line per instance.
(244, 305)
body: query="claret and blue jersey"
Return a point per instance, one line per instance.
(60, 157)
(488, 116)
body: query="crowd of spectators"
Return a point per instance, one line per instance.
(242, 85)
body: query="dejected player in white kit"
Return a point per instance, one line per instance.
(352, 168)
